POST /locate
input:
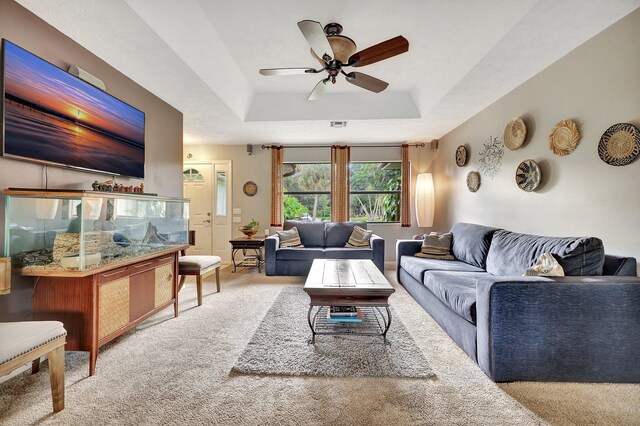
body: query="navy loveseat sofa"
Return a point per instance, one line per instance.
(583, 327)
(321, 240)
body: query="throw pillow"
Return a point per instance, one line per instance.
(359, 237)
(545, 266)
(289, 238)
(436, 246)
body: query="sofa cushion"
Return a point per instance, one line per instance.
(512, 253)
(306, 253)
(416, 266)
(311, 233)
(456, 290)
(348, 253)
(290, 238)
(359, 238)
(337, 233)
(471, 243)
(436, 246)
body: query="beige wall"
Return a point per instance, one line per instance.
(163, 131)
(596, 85)
(257, 168)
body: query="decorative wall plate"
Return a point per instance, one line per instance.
(620, 144)
(491, 156)
(564, 137)
(473, 181)
(250, 188)
(515, 133)
(528, 175)
(461, 156)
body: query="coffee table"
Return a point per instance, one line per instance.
(336, 282)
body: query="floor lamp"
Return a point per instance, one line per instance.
(425, 200)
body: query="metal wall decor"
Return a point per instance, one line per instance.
(515, 134)
(461, 156)
(564, 137)
(620, 144)
(491, 157)
(528, 175)
(473, 181)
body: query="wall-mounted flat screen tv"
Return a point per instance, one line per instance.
(53, 117)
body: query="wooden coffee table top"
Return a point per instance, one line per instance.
(350, 282)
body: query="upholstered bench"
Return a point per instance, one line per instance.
(201, 267)
(23, 342)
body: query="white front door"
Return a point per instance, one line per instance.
(198, 188)
(222, 210)
(208, 185)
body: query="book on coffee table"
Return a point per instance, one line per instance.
(355, 318)
(343, 311)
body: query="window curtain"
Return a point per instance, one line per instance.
(277, 200)
(340, 157)
(405, 193)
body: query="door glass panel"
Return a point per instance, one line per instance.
(221, 193)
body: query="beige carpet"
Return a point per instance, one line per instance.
(170, 371)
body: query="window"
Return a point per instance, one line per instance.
(375, 191)
(307, 191)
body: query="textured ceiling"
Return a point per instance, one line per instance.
(203, 57)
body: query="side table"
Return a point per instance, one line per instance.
(244, 244)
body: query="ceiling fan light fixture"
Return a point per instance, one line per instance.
(338, 124)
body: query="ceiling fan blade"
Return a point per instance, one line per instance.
(319, 90)
(367, 82)
(286, 71)
(380, 51)
(316, 38)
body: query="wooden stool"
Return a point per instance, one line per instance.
(201, 267)
(23, 342)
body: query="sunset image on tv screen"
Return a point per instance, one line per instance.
(52, 116)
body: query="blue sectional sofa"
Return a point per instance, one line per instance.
(583, 327)
(321, 240)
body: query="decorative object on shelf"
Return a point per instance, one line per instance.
(473, 181)
(564, 137)
(491, 157)
(528, 175)
(250, 229)
(425, 200)
(250, 189)
(515, 134)
(5, 275)
(620, 144)
(461, 156)
(110, 186)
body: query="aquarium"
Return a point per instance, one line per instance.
(67, 230)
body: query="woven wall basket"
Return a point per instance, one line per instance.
(620, 144)
(515, 134)
(564, 137)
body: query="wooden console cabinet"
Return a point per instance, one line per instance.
(98, 305)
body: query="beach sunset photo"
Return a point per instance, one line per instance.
(53, 116)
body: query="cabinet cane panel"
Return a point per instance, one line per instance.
(113, 306)
(164, 284)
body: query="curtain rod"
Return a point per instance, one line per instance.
(395, 145)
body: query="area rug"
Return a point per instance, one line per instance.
(280, 347)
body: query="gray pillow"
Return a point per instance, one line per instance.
(289, 238)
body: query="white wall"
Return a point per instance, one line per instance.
(596, 85)
(257, 168)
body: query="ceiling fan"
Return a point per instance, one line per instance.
(335, 51)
